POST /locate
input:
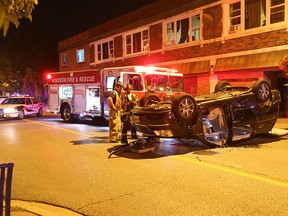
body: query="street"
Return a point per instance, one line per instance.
(67, 165)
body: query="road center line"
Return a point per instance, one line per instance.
(231, 170)
(58, 128)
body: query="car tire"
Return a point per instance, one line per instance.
(149, 99)
(40, 112)
(21, 114)
(66, 114)
(262, 90)
(221, 85)
(184, 107)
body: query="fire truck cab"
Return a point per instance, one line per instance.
(83, 94)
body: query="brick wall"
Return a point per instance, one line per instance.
(155, 34)
(212, 22)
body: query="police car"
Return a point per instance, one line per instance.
(19, 107)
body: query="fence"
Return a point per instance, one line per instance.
(6, 171)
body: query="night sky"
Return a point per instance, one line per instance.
(69, 17)
(36, 42)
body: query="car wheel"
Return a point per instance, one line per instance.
(21, 114)
(262, 90)
(184, 107)
(221, 85)
(40, 112)
(149, 99)
(66, 114)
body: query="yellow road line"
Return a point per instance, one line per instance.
(234, 171)
(57, 127)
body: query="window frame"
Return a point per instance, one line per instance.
(99, 46)
(131, 41)
(63, 59)
(263, 24)
(171, 38)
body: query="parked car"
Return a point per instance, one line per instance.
(19, 107)
(231, 113)
(2, 98)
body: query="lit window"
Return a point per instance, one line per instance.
(184, 30)
(63, 59)
(137, 42)
(80, 56)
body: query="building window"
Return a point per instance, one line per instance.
(80, 55)
(64, 59)
(249, 14)
(255, 13)
(137, 42)
(235, 17)
(102, 50)
(277, 11)
(195, 28)
(179, 31)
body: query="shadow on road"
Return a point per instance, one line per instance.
(178, 147)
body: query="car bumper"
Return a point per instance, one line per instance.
(9, 115)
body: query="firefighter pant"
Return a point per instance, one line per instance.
(114, 125)
(126, 126)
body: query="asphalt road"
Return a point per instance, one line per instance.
(67, 165)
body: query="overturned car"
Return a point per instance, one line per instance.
(231, 113)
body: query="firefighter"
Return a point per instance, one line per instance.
(129, 101)
(114, 105)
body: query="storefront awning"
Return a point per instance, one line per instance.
(192, 67)
(252, 61)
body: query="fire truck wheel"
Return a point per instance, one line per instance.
(149, 99)
(184, 107)
(66, 114)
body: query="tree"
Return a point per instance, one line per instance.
(14, 10)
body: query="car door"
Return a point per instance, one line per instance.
(28, 106)
(35, 105)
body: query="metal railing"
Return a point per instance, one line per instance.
(6, 171)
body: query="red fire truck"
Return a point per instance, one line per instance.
(83, 94)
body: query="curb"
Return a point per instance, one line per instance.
(42, 209)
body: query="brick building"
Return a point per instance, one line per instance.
(206, 40)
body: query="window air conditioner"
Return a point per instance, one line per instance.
(235, 28)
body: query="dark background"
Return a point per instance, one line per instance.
(34, 44)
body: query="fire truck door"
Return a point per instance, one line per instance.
(53, 97)
(79, 98)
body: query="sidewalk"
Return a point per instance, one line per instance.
(25, 208)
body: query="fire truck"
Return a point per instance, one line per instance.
(84, 94)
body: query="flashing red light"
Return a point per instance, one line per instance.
(49, 76)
